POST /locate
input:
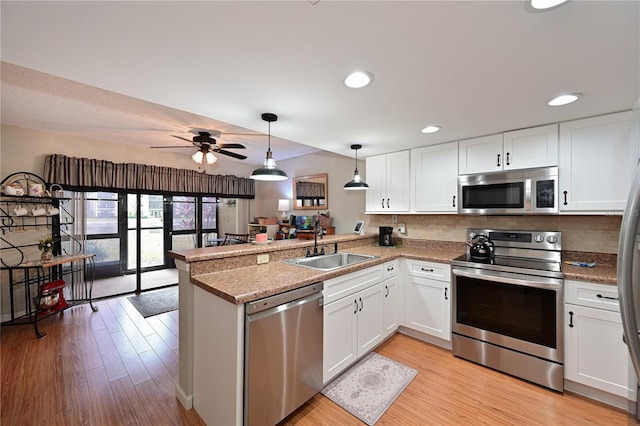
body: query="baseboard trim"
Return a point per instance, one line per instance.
(184, 399)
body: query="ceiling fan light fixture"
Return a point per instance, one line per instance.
(269, 171)
(210, 158)
(198, 156)
(356, 183)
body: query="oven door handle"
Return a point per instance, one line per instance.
(507, 278)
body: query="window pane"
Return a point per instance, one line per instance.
(101, 216)
(151, 211)
(184, 215)
(183, 242)
(102, 195)
(107, 250)
(152, 250)
(209, 215)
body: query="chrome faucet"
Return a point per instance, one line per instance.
(316, 228)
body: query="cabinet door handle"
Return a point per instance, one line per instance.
(361, 304)
(355, 303)
(382, 203)
(599, 296)
(446, 297)
(571, 319)
(425, 269)
(387, 203)
(498, 160)
(565, 197)
(454, 201)
(387, 291)
(390, 268)
(508, 162)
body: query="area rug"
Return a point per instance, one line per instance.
(368, 388)
(156, 302)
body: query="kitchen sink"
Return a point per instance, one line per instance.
(329, 262)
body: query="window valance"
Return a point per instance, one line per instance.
(83, 174)
(309, 190)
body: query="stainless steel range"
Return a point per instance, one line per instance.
(508, 304)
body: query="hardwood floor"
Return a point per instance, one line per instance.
(452, 391)
(114, 367)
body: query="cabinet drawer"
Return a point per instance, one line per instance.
(390, 269)
(435, 271)
(591, 294)
(339, 287)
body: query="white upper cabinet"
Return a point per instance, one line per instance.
(483, 154)
(434, 171)
(388, 177)
(598, 158)
(519, 149)
(529, 148)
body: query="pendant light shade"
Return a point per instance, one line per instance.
(269, 171)
(356, 183)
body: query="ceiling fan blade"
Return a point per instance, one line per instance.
(231, 154)
(242, 134)
(184, 139)
(181, 146)
(231, 145)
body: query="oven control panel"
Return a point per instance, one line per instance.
(542, 240)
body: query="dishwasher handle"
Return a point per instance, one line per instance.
(284, 300)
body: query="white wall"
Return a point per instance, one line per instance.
(346, 207)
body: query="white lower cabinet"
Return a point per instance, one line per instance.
(595, 354)
(391, 297)
(353, 323)
(427, 298)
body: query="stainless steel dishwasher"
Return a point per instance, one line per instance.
(283, 354)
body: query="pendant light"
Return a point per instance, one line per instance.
(356, 182)
(269, 171)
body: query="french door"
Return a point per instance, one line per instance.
(131, 235)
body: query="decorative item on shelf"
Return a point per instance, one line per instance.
(14, 188)
(46, 246)
(36, 190)
(19, 210)
(56, 191)
(267, 221)
(356, 182)
(283, 206)
(269, 171)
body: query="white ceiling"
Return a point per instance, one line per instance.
(138, 72)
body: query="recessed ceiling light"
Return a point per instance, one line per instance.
(540, 5)
(564, 99)
(431, 129)
(358, 79)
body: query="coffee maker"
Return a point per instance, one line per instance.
(386, 237)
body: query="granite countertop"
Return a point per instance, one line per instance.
(248, 283)
(601, 273)
(258, 281)
(233, 250)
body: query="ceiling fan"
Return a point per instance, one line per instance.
(207, 145)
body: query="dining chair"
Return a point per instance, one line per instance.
(230, 238)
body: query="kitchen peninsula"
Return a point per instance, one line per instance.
(216, 282)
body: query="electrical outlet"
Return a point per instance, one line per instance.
(263, 258)
(394, 218)
(401, 228)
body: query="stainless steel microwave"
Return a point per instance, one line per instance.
(528, 191)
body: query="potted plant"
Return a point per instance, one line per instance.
(46, 246)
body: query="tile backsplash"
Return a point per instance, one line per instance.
(597, 234)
